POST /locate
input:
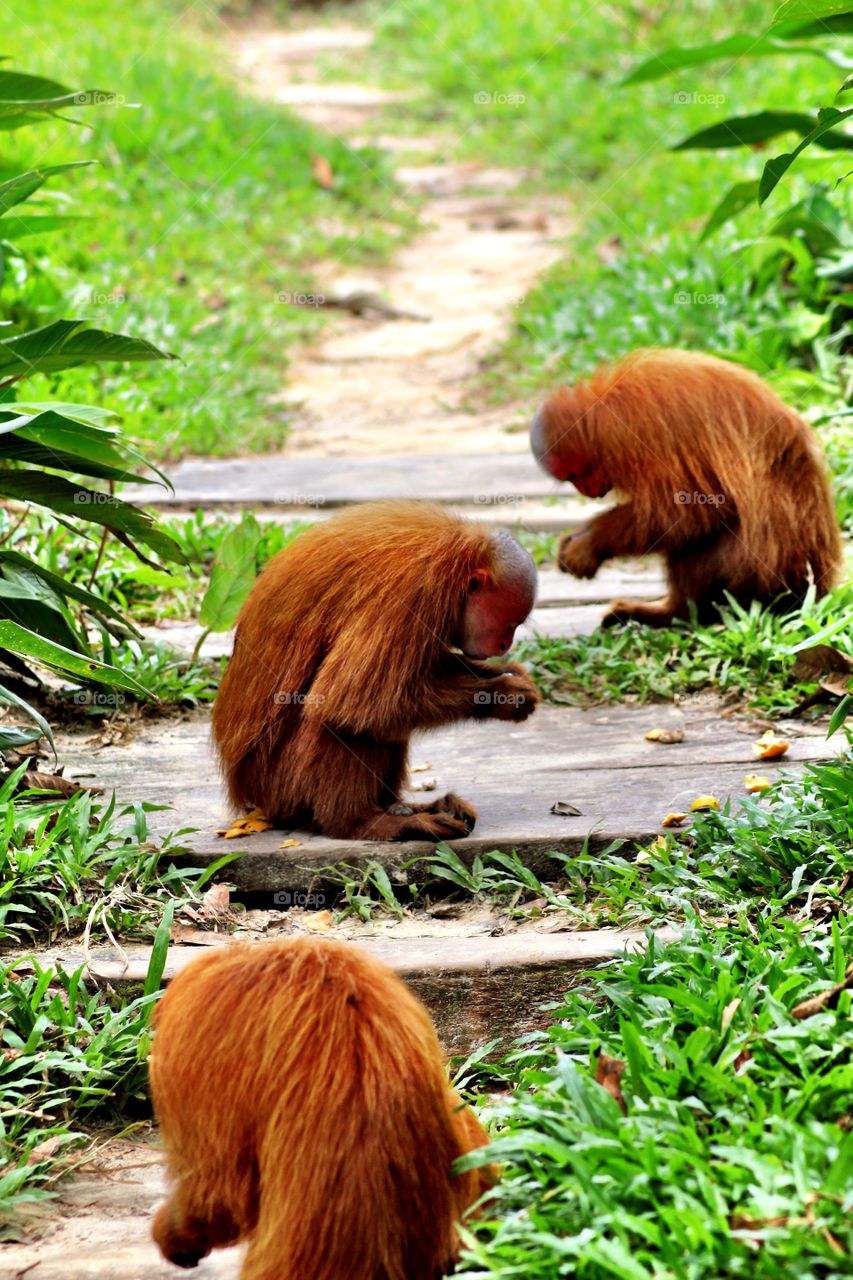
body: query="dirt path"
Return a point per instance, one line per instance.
(387, 384)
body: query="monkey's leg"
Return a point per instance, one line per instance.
(357, 784)
(652, 613)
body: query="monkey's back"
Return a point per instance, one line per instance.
(303, 1085)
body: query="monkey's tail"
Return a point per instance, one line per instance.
(355, 1158)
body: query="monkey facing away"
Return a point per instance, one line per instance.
(712, 470)
(304, 1106)
(367, 627)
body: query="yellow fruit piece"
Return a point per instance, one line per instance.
(319, 921)
(673, 819)
(769, 747)
(756, 782)
(665, 735)
(704, 802)
(290, 844)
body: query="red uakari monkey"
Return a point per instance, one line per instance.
(304, 1106)
(712, 470)
(367, 627)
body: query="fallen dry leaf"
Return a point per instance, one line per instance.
(319, 921)
(187, 936)
(701, 803)
(756, 782)
(563, 809)
(728, 1013)
(832, 669)
(290, 844)
(826, 1000)
(769, 747)
(673, 819)
(44, 1150)
(322, 171)
(608, 1072)
(666, 735)
(254, 821)
(216, 902)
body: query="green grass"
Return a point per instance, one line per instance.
(66, 864)
(202, 217)
(634, 272)
(72, 1055)
(746, 656)
(734, 1155)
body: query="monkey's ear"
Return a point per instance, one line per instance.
(478, 580)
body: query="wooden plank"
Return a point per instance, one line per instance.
(596, 760)
(477, 988)
(281, 480)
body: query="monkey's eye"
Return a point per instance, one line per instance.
(473, 585)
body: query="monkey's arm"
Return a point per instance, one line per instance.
(465, 688)
(622, 531)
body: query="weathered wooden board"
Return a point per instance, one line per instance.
(285, 480)
(565, 606)
(596, 760)
(477, 987)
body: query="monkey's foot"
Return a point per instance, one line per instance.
(404, 822)
(650, 613)
(454, 806)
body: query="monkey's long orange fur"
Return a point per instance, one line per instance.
(713, 470)
(344, 647)
(303, 1102)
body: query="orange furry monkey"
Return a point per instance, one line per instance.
(367, 627)
(712, 470)
(304, 1105)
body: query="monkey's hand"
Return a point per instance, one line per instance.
(576, 554)
(512, 696)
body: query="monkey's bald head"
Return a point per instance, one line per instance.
(560, 448)
(500, 596)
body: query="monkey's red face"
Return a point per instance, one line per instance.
(564, 460)
(492, 615)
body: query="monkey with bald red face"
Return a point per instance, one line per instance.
(373, 624)
(713, 472)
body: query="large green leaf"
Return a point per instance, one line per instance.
(231, 576)
(838, 24)
(736, 46)
(39, 455)
(745, 131)
(19, 90)
(828, 118)
(68, 343)
(26, 643)
(808, 10)
(96, 604)
(20, 225)
(42, 728)
(51, 439)
(128, 523)
(735, 199)
(22, 186)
